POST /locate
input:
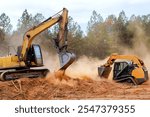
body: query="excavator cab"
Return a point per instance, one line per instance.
(33, 57)
(37, 55)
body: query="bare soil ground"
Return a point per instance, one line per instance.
(48, 89)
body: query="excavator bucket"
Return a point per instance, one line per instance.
(66, 59)
(104, 71)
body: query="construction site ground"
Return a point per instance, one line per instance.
(53, 89)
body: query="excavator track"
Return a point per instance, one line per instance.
(24, 73)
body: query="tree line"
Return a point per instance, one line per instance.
(103, 37)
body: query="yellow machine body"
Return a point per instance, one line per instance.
(130, 69)
(10, 62)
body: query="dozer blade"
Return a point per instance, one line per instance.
(66, 59)
(104, 71)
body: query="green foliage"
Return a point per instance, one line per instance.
(37, 19)
(124, 35)
(27, 21)
(74, 29)
(5, 23)
(5, 26)
(94, 21)
(97, 36)
(2, 35)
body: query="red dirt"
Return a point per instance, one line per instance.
(50, 88)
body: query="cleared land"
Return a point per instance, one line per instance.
(49, 88)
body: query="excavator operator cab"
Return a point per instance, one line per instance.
(37, 55)
(33, 56)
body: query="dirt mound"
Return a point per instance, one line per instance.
(49, 88)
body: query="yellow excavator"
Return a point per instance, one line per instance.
(29, 57)
(126, 68)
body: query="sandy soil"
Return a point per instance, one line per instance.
(50, 88)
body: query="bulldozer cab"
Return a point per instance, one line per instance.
(121, 69)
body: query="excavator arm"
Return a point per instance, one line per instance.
(66, 58)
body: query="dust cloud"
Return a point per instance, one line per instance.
(139, 41)
(51, 61)
(140, 48)
(85, 68)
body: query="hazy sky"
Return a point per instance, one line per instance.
(80, 10)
